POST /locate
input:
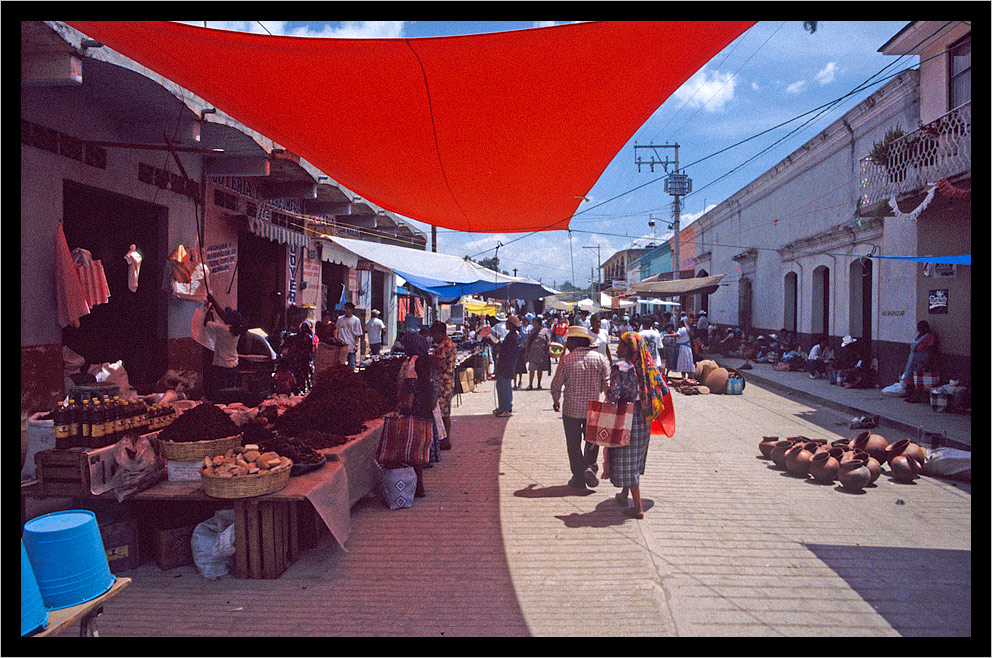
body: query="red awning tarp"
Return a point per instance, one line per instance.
(497, 132)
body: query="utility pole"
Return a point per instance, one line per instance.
(677, 184)
(599, 264)
(433, 238)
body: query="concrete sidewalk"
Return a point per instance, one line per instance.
(918, 420)
(729, 546)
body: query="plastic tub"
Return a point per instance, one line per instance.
(68, 558)
(34, 614)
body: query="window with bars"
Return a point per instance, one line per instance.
(959, 91)
(52, 140)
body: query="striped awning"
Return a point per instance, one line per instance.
(278, 234)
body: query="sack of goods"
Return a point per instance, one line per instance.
(609, 424)
(397, 486)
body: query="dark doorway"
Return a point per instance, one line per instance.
(378, 285)
(790, 297)
(260, 281)
(744, 307)
(132, 326)
(333, 277)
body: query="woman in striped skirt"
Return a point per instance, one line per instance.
(633, 378)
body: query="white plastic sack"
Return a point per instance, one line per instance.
(398, 486)
(212, 544)
(896, 390)
(112, 373)
(948, 462)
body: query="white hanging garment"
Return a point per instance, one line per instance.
(133, 258)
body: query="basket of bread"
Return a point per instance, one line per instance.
(242, 472)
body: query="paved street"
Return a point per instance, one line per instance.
(729, 546)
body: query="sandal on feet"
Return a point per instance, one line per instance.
(632, 513)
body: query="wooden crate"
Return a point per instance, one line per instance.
(72, 472)
(265, 537)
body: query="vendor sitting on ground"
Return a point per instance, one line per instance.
(820, 358)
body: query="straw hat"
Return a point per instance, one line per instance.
(847, 340)
(501, 317)
(577, 331)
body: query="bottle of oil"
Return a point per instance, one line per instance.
(86, 422)
(98, 416)
(75, 425)
(60, 419)
(120, 426)
(109, 421)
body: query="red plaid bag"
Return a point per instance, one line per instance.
(924, 381)
(609, 424)
(405, 440)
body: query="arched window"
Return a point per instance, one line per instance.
(860, 299)
(820, 306)
(790, 301)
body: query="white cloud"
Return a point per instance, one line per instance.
(711, 91)
(826, 75)
(754, 86)
(796, 87)
(342, 30)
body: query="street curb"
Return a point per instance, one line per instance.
(883, 421)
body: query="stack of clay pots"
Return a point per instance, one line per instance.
(855, 463)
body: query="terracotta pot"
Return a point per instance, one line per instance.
(797, 460)
(853, 475)
(766, 445)
(798, 437)
(822, 447)
(905, 447)
(778, 452)
(872, 465)
(840, 443)
(823, 467)
(836, 453)
(716, 380)
(904, 468)
(873, 444)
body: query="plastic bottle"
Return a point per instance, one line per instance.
(60, 419)
(98, 416)
(86, 423)
(75, 424)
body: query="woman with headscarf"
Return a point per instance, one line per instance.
(417, 393)
(634, 377)
(538, 356)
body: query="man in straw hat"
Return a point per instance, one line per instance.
(583, 374)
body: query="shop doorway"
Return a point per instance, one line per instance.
(790, 296)
(333, 278)
(261, 282)
(820, 306)
(860, 300)
(132, 326)
(744, 306)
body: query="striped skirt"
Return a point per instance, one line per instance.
(627, 462)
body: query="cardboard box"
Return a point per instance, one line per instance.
(172, 546)
(183, 471)
(466, 380)
(120, 541)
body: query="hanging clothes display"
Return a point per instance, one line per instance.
(70, 303)
(913, 214)
(91, 277)
(133, 260)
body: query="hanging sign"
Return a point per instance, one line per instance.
(294, 265)
(365, 265)
(938, 302)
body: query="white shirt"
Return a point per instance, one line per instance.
(606, 326)
(349, 331)
(501, 331)
(375, 327)
(601, 341)
(225, 344)
(652, 339)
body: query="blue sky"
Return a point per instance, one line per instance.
(772, 73)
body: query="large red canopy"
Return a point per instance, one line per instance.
(490, 133)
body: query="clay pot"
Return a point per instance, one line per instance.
(874, 467)
(778, 452)
(840, 443)
(904, 468)
(823, 467)
(853, 475)
(716, 380)
(873, 444)
(905, 447)
(797, 460)
(766, 445)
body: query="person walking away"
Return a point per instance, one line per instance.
(349, 331)
(376, 329)
(538, 356)
(444, 374)
(225, 334)
(683, 350)
(417, 396)
(600, 339)
(634, 378)
(922, 358)
(521, 368)
(651, 338)
(582, 375)
(506, 366)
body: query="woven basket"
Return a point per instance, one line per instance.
(194, 450)
(246, 486)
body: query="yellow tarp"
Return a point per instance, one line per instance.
(480, 308)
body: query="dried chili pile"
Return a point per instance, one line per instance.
(320, 440)
(204, 422)
(381, 375)
(339, 402)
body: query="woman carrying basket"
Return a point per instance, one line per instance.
(635, 378)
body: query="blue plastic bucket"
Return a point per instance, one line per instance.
(68, 558)
(34, 614)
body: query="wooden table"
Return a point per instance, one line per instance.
(85, 613)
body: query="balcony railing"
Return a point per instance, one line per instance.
(940, 149)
